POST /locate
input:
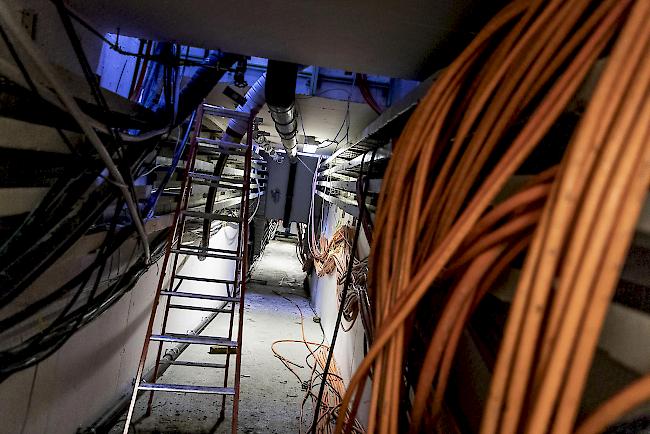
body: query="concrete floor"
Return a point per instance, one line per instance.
(271, 395)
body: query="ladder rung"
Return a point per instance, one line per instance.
(206, 249)
(186, 388)
(236, 181)
(193, 364)
(201, 296)
(211, 216)
(194, 339)
(199, 308)
(220, 143)
(204, 279)
(216, 150)
(228, 186)
(206, 254)
(223, 179)
(198, 175)
(225, 112)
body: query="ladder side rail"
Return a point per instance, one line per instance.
(185, 199)
(244, 270)
(156, 300)
(236, 281)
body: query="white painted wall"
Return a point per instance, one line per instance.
(348, 351)
(51, 38)
(81, 381)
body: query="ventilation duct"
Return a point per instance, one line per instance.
(280, 98)
(199, 86)
(255, 99)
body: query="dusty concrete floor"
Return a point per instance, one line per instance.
(271, 395)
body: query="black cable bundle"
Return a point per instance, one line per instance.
(74, 204)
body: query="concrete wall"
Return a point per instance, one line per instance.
(80, 382)
(51, 38)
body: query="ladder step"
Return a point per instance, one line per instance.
(193, 364)
(206, 249)
(227, 186)
(186, 388)
(206, 254)
(194, 339)
(235, 181)
(222, 179)
(225, 112)
(212, 150)
(204, 279)
(220, 143)
(211, 216)
(199, 308)
(252, 187)
(198, 175)
(201, 296)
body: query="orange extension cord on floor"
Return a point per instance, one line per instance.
(480, 120)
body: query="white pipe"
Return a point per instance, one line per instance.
(37, 57)
(255, 99)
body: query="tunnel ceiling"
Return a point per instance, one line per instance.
(396, 38)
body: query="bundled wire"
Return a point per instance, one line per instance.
(589, 221)
(66, 99)
(364, 88)
(334, 256)
(480, 120)
(316, 360)
(74, 204)
(270, 229)
(83, 303)
(301, 248)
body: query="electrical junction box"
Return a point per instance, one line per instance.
(279, 174)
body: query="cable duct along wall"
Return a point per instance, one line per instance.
(281, 98)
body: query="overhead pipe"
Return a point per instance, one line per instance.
(199, 86)
(281, 98)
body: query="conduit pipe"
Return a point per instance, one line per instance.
(201, 83)
(281, 98)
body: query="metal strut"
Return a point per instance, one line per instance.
(180, 286)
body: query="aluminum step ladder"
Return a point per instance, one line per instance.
(236, 288)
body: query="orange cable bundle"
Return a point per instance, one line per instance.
(479, 121)
(335, 387)
(334, 254)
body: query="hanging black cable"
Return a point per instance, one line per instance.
(115, 140)
(32, 86)
(344, 293)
